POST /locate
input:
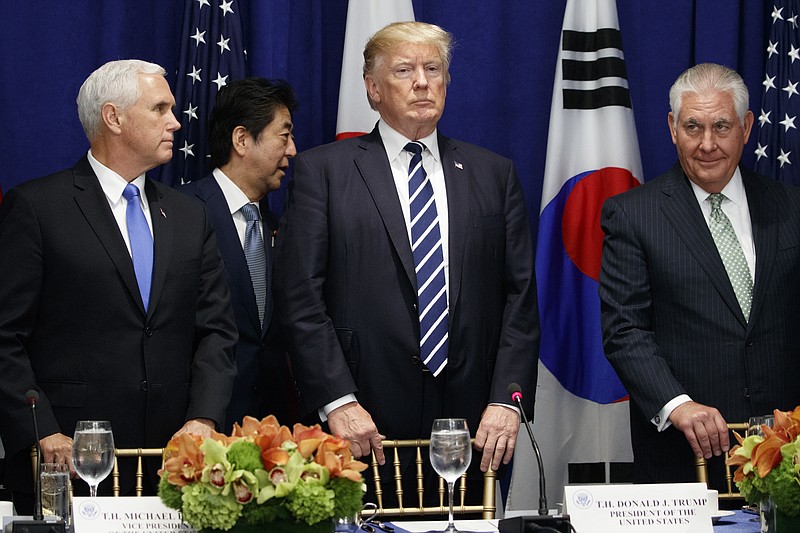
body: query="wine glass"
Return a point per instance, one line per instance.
(93, 452)
(451, 453)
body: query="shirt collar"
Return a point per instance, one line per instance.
(112, 183)
(234, 196)
(394, 142)
(733, 191)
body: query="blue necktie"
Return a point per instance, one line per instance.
(256, 257)
(141, 242)
(426, 246)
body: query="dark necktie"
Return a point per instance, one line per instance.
(141, 242)
(426, 246)
(256, 257)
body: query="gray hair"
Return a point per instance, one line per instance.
(710, 77)
(406, 32)
(116, 82)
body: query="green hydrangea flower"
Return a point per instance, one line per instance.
(311, 502)
(205, 509)
(782, 486)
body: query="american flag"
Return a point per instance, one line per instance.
(778, 148)
(212, 55)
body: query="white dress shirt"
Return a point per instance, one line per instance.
(113, 185)
(236, 199)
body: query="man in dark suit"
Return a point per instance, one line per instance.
(400, 311)
(251, 142)
(114, 303)
(699, 285)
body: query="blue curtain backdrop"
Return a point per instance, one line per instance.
(502, 70)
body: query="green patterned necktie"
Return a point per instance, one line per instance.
(730, 251)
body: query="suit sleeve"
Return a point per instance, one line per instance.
(21, 271)
(301, 264)
(213, 364)
(518, 349)
(626, 314)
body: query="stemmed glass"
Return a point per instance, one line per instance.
(93, 452)
(451, 453)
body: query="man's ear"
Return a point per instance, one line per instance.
(239, 139)
(111, 117)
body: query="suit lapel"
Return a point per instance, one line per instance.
(763, 218)
(229, 243)
(680, 207)
(457, 179)
(163, 235)
(376, 172)
(93, 204)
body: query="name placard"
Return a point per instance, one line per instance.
(146, 514)
(672, 507)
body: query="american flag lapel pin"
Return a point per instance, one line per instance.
(458, 165)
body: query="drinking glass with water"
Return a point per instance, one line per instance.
(93, 452)
(450, 453)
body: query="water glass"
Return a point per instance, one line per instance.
(450, 453)
(93, 452)
(754, 426)
(55, 490)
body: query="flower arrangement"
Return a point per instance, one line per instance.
(262, 473)
(770, 465)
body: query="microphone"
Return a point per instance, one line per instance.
(38, 524)
(542, 522)
(31, 397)
(516, 396)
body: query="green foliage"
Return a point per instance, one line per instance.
(245, 455)
(170, 494)
(349, 496)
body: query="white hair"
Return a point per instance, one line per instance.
(709, 77)
(115, 82)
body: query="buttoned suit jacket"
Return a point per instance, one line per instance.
(672, 324)
(346, 286)
(73, 326)
(261, 386)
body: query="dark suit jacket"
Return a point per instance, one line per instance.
(672, 324)
(72, 324)
(261, 385)
(346, 286)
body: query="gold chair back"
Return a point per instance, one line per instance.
(138, 453)
(412, 506)
(701, 467)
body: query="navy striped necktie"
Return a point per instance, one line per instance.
(426, 246)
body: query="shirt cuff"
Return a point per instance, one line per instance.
(328, 407)
(509, 406)
(661, 420)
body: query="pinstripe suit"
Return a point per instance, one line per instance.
(672, 324)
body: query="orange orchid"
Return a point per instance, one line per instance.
(308, 439)
(183, 460)
(334, 454)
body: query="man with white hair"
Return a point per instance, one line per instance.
(699, 286)
(114, 304)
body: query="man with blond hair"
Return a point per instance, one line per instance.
(404, 267)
